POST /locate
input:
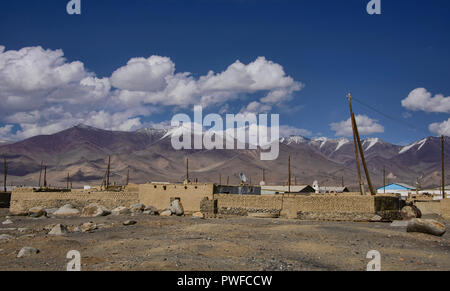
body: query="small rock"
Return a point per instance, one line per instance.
(428, 226)
(37, 212)
(5, 237)
(176, 207)
(27, 251)
(129, 222)
(166, 213)
(6, 222)
(66, 210)
(22, 230)
(198, 215)
(51, 211)
(121, 210)
(73, 228)
(88, 226)
(150, 210)
(58, 229)
(94, 210)
(137, 208)
(376, 218)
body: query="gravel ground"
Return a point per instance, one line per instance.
(232, 244)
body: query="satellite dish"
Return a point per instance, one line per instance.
(243, 178)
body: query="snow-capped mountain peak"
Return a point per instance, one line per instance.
(370, 142)
(420, 144)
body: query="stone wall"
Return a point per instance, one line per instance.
(24, 198)
(445, 208)
(159, 195)
(350, 206)
(429, 207)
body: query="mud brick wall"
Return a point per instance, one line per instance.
(5, 198)
(445, 208)
(159, 195)
(350, 206)
(429, 207)
(24, 199)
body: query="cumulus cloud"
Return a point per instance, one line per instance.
(42, 92)
(442, 128)
(286, 130)
(365, 124)
(421, 100)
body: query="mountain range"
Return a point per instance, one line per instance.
(148, 155)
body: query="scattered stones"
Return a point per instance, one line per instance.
(121, 210)
(27, 251)
(22, 229)
(94, 210)
(6, 222)
(88, 226)
(58, 229)
(428, 226)
(166, 213)
(67, 210)
(176, 207)
(5, 237)
(137, 208)
(73, 228)
(150, 210)
(198, 215)
(376, 218)
(37, 212)
(410, 211)
(129, 222)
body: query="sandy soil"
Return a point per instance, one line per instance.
(185, 243)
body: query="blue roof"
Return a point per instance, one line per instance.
(398, 186)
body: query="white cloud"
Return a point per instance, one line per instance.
(442, 128)
(421, 100)
(42, 92)
(365, 124)
(286, 130)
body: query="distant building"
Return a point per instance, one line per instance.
(284, 189)
(398, 188)
(328, 189)
(436, 192)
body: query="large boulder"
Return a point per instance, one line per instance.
(137, 208)
(67, 210)
(27, 251)
(176, 207)
(429, 226)
(410, 211)
(58, 229)
(121, 210)
(94, 210)
(37, 212)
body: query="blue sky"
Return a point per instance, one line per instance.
(331, 47)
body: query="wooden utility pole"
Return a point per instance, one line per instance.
(384, 180)
(45, 176)
(264, 175)
(40, 173)
(220, 179)
(356, 134)
(443, 167)
(68, 180)
(228, 180)
(128, 177)
(108, 171)
(358, 167)
(5, 171)
(187, 170)
(289, 174)
(343, 185)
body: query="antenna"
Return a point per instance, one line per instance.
(68, 180)
(108, 171)
(289, 174)
(45, 176)
(128, 176)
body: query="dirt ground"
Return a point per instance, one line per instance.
(231, 244)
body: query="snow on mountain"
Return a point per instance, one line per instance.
(341, 143)
(370, 142)
(420, 143)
